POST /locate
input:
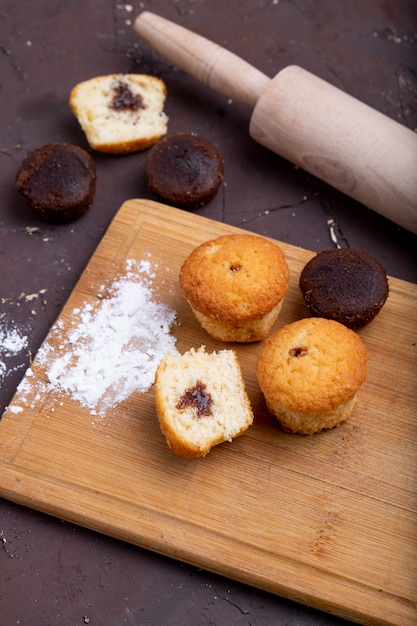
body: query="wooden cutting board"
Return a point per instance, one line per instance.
(328, 520)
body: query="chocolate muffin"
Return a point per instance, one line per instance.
(345, 285)
(58, 182)
(185, 169)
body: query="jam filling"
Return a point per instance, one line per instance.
(124, 99)
(299, 351)
(197, 398)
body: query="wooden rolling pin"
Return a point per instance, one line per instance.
(313, 124)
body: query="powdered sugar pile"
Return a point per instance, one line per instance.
(116, 344)
(12, 342)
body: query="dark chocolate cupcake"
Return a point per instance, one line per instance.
(58, 182)
(345, 285)
(184, 169)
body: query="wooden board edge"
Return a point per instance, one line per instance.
(367, 605)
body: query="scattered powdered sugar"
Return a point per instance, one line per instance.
(115, 345)
(15, 409)
(12, 342)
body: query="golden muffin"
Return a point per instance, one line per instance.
(235, 285)
(309, 372)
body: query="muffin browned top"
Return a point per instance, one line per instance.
(312, 365)
(235, 277)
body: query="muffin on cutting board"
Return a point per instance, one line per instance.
(346, 285)
(310, 372)
(235, 285)
(201, 400)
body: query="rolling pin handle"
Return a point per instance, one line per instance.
(211, 64)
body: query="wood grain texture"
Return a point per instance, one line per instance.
(328, 520)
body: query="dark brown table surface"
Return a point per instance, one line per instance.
(52, 572)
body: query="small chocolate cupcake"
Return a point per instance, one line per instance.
(184, 169)
(345, 285)
(58, 182)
